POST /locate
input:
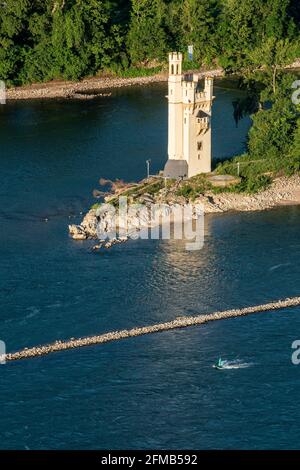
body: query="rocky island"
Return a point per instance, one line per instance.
(199, 190)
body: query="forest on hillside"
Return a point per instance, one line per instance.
(42, 40)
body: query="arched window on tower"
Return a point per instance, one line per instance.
(172, 69)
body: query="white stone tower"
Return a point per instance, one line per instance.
(189, 139)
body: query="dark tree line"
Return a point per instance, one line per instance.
(47, 39)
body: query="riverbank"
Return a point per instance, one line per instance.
(283, 191)
(88, 88)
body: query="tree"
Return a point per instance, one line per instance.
(252, 25)
(146, 37)
(199, 24)
(239, 31)
(272, 134)
(13, 21)
(295, 150)
(46, 39)
(278, 23)
(272, 56)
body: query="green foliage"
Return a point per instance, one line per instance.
(200, 20)
(272, 131)
(194, 187)
(155, 187)
(253, 184)
(255, 175)
(250, 30)
(147, 38)
(273, 142)
(269, 59)
(186, 190)
(96, 205)
(48, 39)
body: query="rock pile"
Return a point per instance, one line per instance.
(179, 322)
(283, 191)
(97, 224)
(106, 223)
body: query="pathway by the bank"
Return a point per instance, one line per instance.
(180, 322)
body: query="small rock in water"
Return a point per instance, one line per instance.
(77, 232)
(97, 247)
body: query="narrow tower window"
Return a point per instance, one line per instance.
(199, 145)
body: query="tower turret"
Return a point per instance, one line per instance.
(209, 87)
(175, 107)
(175, 63)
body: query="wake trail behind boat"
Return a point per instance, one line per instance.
(236, 364)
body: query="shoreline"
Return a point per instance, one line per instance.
(88, 88)
(284, 191)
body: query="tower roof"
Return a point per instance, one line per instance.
(202, 114)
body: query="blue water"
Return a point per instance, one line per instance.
(157, 391)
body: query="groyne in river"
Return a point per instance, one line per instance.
(179, 322)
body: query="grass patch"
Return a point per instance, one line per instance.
(256, 175)
(96, 205)
(194, 187)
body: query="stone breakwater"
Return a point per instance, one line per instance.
(82, 89)
(179, 322)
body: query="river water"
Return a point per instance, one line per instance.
(158, 391)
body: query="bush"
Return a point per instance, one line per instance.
(194, 187)
(186, 191)
(253, 184)
(253, 173)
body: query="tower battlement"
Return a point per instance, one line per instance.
(177, 56)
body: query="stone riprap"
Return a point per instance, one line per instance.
(179, 322)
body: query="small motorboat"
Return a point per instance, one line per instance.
(219, 365)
